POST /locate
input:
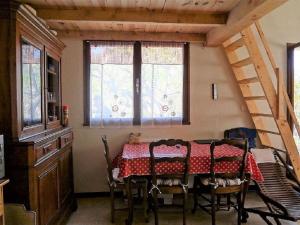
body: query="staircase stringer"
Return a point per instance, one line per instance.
(266, 82)
(270, 94)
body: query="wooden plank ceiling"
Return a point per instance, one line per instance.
(160, 5)
(174, 20)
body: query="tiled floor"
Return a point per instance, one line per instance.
(96, 211)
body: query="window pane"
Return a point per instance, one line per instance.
(297, 90)
(111, 83)
(31, 85)
(162, 83)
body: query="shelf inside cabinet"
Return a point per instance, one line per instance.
(53, 96)
(51, 72)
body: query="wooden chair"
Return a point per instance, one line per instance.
(225, 183)
(281, 196)
(198, 177)
(115, 183)
(170, 183)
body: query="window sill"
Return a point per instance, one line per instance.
(137, 125)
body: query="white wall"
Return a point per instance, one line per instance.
(208, 118)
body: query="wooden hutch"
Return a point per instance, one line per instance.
(38, 149)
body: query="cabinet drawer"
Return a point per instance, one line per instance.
(45, 149)
(66, 139)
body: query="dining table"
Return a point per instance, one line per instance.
(134, 161)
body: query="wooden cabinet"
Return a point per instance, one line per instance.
(40, 170)
(66, 184)
(48, 192)
(38, 149)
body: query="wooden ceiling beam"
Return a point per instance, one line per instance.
(243, 15)
(144, 16)
(133, 36)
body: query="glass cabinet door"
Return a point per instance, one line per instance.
(31, 84)
(53, 91)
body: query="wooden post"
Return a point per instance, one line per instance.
(280, 98)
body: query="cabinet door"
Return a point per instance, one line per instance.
(66, 175)
(53, 86)
(48, 193)
(32, 88)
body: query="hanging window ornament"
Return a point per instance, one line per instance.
(165, 108)
(115, 108)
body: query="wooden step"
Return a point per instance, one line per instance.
(249, 80)
(268, 131)
(243, 62)
(235, 45)
(250, 98)
(261, 114)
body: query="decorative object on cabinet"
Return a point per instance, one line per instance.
(66, 115)
(38, 149)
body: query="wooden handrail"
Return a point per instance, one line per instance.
(280, 87)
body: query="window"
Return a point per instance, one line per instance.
(140, 83)
(293, 83)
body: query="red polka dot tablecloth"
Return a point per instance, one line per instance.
(135, 160)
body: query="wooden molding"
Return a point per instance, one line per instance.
(132, 36)
(130, 16)
(243, 15)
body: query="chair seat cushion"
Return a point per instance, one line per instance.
(115, 173)
(222, 182)
(168, 182)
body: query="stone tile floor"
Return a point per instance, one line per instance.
(96, 211)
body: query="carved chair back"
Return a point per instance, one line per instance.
(108, 160)
(183, 160)
(242, 144)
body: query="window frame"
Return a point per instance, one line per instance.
(290, 77)
(137, 66)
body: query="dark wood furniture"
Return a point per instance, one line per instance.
(281, 196)
(115, 183)
(224, 184)
(38, 149)
(179, 181)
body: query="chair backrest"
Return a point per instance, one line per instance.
(204, 141)
(241, 159)
(183, 159)
(108, 159)
(242, 132)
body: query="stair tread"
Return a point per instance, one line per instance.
(235, 45)
(249, 80)
(243, 62)
(267, 131)
(261, 114)
(255, 98)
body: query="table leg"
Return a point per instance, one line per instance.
(130, 201)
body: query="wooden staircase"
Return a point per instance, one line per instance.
(262, 86)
